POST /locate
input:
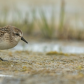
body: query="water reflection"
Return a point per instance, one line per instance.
(46, 47)
(2, 75)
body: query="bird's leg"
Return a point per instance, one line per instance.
(2, 59)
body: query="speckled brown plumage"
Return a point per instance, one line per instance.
(10, 36)
(10, 31)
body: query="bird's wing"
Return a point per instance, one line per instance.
(4, 30)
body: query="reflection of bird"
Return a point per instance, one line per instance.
(9, 37)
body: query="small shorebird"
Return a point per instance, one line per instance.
(9, 37)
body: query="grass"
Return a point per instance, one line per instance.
(62, 13)
(29, 25)
(47, 29)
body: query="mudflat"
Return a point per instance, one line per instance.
(23, 67)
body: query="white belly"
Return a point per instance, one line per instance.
(6, 45)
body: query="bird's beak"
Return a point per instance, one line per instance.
(23, 39)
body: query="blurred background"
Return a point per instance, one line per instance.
(48, 25)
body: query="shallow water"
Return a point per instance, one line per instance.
(2, 75)
(66, 47)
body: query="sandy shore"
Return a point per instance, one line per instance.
(23, 67)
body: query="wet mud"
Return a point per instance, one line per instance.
(23, 67)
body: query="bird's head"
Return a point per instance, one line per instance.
(18, 35)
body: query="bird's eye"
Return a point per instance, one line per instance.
(17, 34)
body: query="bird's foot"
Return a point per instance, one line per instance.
(2, 59)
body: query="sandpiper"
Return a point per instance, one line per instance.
(9, 37)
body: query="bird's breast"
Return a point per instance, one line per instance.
(8, 41)
(7, 45)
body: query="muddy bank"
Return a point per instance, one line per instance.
(23, 67)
